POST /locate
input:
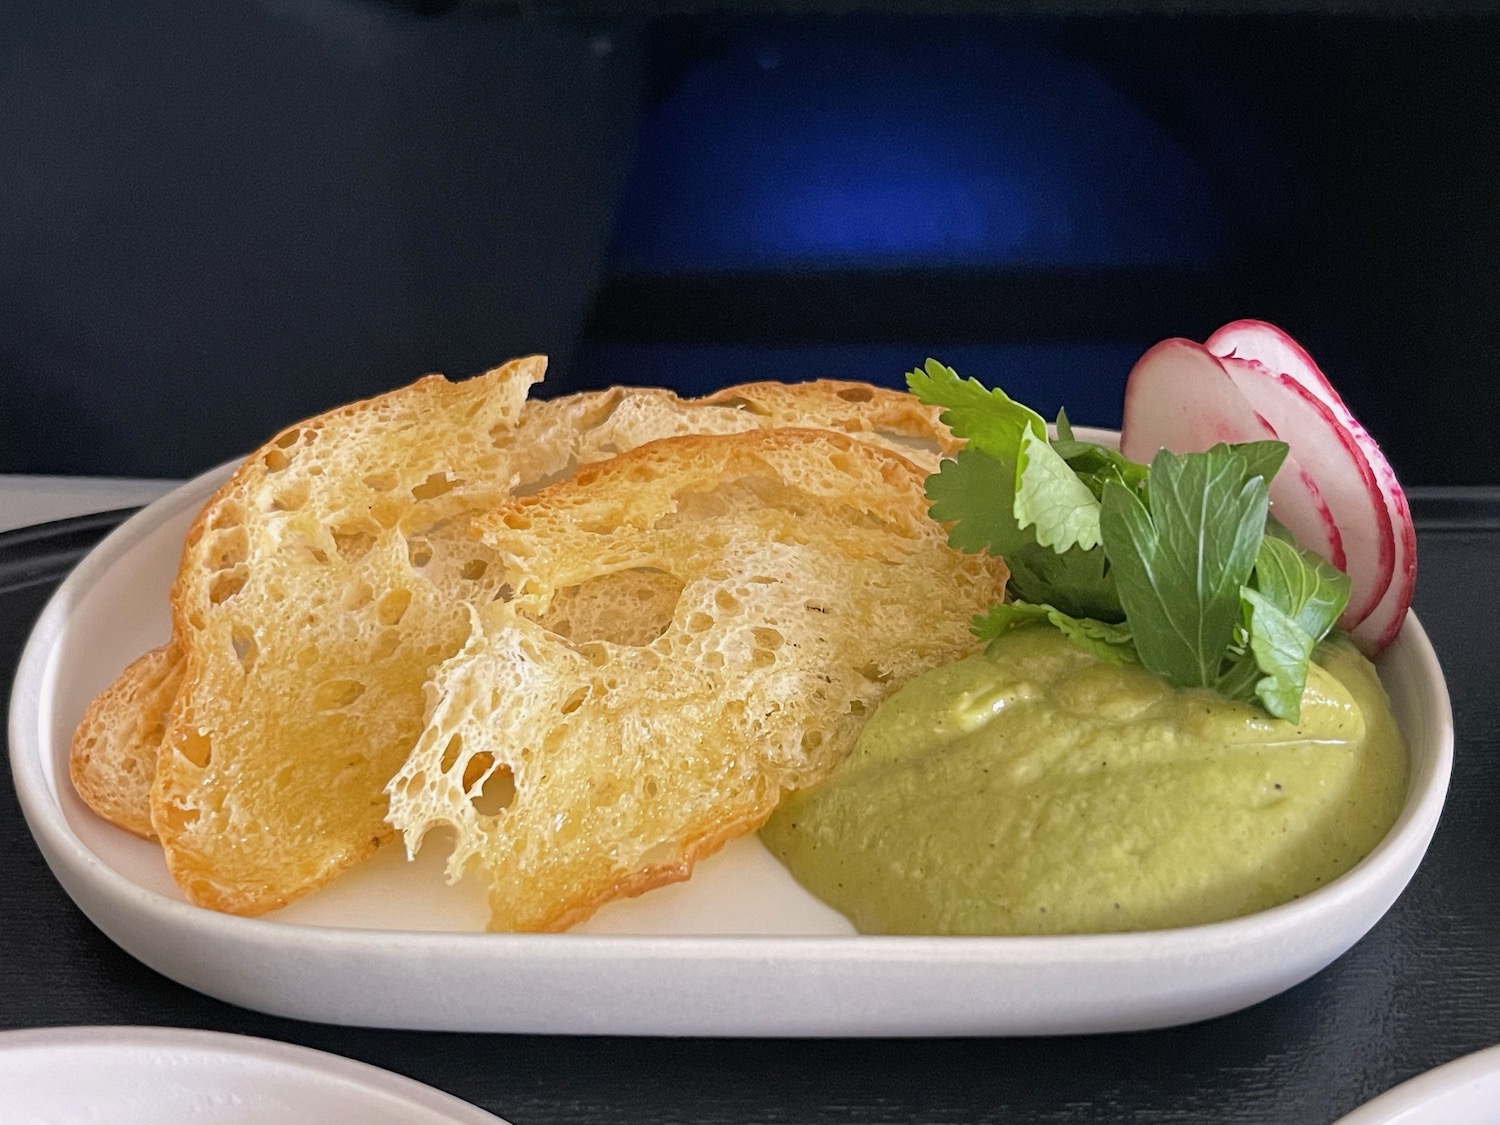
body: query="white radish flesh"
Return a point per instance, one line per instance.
(1270, 347)
(1274, 349)
(1180, 397)
(1329, 452)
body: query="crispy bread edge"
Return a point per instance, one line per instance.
(113, 729)
(652, 877)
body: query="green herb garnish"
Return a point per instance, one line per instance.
(1176, 566)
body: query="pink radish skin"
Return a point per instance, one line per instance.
(1180, 397)
(1329, 452)
(1272, 348)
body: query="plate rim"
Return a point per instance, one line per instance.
(293, 1057)
(67, 854)
(1425, 1090)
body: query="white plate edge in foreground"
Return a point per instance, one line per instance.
(1461, 1092)
(177, 1076)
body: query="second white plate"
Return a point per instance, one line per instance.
(1462, 1092)
(167, 1076)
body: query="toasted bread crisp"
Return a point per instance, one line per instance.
(892, 420)
(116, 746)
(326, 580)
(773, 587)
(113, 759)
(317, 589)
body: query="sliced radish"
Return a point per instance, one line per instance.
(1270, 347)
(1329, 452)
(1180, 397)
(1274, 349)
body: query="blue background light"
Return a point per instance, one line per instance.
(906, 145)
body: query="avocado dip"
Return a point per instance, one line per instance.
(1038, 790)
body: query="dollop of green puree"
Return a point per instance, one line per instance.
(1037, 790)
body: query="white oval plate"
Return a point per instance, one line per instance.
(167, 1076)
(1462, 1092)
(740, 949)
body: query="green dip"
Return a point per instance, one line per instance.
(1037, 790)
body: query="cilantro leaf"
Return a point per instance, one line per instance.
(989, 420)
(1180, 563)
(1114, 644)
(975, 492)
(1077, 582)
(1002, 618)
(1108, 642)
(1050, 497)
(1177, 565)
(1095, 464)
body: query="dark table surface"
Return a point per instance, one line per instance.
(1421, 989)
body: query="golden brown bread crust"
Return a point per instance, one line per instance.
(123, 743)
(113, 757)
(649, 878)
(309, 616)
(809, 582)
(879, 416)
(531, 444)
(893, 419)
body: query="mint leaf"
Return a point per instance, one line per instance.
(1063, 426)
(1107, 642)
(1295, 598)
(1174, 555)
(1277, 530)
(1050, 497)
(1302, 584)
(1281, 648)
(1262, 458)
(1180, 563)
(1241, 673)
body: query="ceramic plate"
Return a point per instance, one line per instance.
(166, 1076)
(740, 949)
(1462, 1092)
